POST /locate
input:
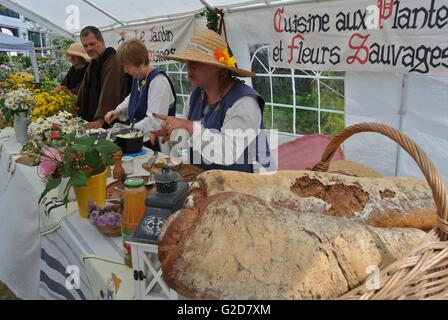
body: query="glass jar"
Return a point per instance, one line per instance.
(134, 198)
(128, 165)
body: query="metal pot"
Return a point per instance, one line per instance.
(129, 145)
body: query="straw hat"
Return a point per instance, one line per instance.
(209, 47)
(76, 49)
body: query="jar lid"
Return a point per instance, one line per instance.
(134, 183)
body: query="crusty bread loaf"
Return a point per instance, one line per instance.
(380, 202)
(235, 246)
(351, 168)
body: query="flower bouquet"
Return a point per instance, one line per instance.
(17, 106)
(20, 79)
(50, 131)
(84, 162)
(106, 218)
(52, 103)
(16, 102)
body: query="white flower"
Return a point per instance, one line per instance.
(19, 100)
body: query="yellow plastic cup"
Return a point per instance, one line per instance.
(94, 191)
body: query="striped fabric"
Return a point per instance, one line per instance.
(66, 247)
(52, 211)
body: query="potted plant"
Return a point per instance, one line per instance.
(17, 106)
(84, 161)
(106, 218)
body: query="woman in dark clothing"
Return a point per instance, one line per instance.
(79, 60)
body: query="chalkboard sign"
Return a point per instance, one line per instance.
(149, 228)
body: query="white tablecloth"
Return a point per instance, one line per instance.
(20, 188)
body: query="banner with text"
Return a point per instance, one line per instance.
(161, 38)
(404, 36)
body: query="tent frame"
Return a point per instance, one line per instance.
(248, 6)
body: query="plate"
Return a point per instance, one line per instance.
(170, 161)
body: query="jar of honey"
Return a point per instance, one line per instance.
(134, 197)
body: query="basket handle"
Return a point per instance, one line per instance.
(432, 176)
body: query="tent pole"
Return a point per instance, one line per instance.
(266, 4)
(35, 67)
(208, 4)
(402, 113)
(109, 15)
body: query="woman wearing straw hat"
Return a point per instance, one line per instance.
(152, 92)
(79, 60)
(221, 111)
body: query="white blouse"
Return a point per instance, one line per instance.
(160, 98)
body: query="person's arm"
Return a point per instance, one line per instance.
(186, 110)
(243, 115)
(80, 98)
(160, 98)
(75, 90)
(123, 109)
(64, 82)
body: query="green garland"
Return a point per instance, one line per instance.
(212, 18)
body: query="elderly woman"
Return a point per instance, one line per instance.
(152, 91)
(79, 60)
(221, 112)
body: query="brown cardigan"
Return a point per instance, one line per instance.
(114, 87)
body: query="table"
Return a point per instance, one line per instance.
(69, 247)
(35, 259)
(76, 244)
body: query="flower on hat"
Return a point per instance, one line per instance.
(224, 57)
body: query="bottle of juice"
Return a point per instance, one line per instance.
(134, 197)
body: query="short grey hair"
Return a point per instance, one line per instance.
(92, 30)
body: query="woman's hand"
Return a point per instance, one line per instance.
(111, 116)
(168, 126)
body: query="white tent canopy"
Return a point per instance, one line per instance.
(10, 43)
(106, 14)
(414, 104)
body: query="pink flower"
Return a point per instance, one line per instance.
(49, 163)
(54, 135)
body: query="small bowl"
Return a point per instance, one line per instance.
(110, 231)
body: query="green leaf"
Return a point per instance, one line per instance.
(68, 155)
(81, 148)
(69, 137)
(8, 114)
(106, 147)
(79, 179)
(67, 169)
(52, 184)
(85, 141)
(93, 160)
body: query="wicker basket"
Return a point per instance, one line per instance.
(423, 273)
